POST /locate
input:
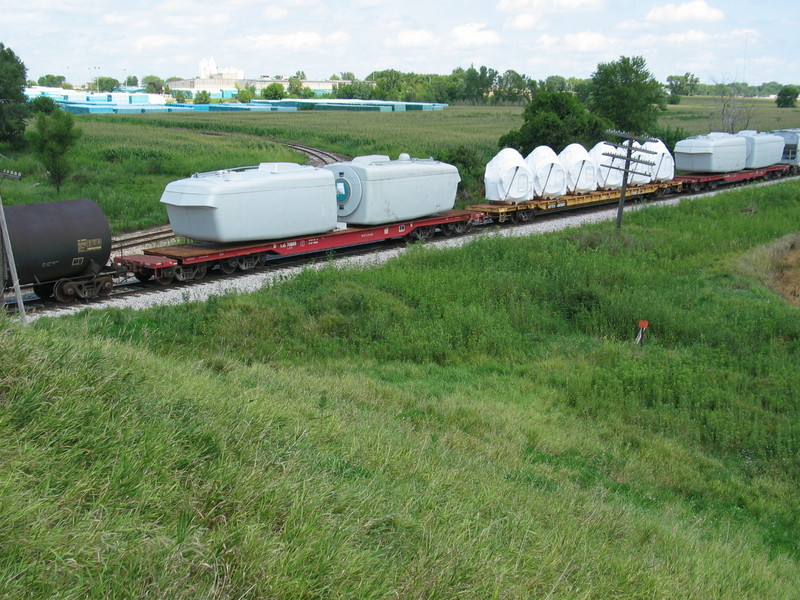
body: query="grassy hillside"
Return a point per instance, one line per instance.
(471, 423)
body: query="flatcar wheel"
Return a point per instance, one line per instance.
(63, 291)
(200, 273)
(43, 290)
(461, 227)
(447, 229)
(144, 275)
(227, 266)
(165, 277)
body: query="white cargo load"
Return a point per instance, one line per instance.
(763, 149)
(507, 178)
(791, 138)
(270, 201)
(712, 153)
(664, 168)
(580, 169)
(609, 170)
(371, 190)
(549, 176)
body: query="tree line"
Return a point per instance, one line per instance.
(481, 85)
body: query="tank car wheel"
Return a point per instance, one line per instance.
(228, 266)
(43, 290)
(63, 291)
(144, 275)
(105, 288)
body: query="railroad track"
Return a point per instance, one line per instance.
(139, 239)
(317, 157)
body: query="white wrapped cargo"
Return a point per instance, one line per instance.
(791, 138)
(712, 153)
(371, 190)
(549, 176)
(580, 169)
(664, 168)
(763, 149)
(640, 173)
(507, 178)
(271, 201)
(609, 175)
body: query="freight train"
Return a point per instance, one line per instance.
(239, 219)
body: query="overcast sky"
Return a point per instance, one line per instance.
(717, 40)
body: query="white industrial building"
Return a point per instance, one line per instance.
(215, 80)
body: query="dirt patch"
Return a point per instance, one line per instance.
(786, 276)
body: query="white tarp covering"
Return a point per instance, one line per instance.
(607, 178)
(549, 176)
(664, 169)
(581, 172)
(508, 178)
(640, 174)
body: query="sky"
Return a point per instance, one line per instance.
(719, 41)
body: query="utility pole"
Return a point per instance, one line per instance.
(12, 266)
(627, 146)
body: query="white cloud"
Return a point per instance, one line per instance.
(524, 22)
(473, 35)
(696, 10)
(416, 38)
(547, 41)
(696, 39)
(196, 22)
(301, 40)
(158, 42)
(275, 13)
(548, 6)
(589, 41)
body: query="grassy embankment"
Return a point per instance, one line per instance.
(471, 423)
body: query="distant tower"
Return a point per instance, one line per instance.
(208, 67)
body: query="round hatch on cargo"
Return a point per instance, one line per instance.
(348, 190)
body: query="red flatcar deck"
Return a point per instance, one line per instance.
(194, 253)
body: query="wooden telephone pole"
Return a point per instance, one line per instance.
(9, 252)
(627, 147)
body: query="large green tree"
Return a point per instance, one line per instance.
(555, 119)
(787, 97)
(51, 138)
(13, 104)
(107, 84)
(52, 80)
(153, 84)
(624, 92)
(274, 91)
